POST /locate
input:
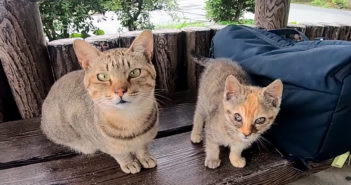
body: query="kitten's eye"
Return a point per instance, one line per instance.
(260, 120)
(135, 73)
(237, 117)
(103, 77)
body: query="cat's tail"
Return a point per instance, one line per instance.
(203, 61)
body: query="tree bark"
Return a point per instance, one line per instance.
(23, 55)
(272, 14)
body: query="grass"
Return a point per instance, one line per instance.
(242, 21)
(338, 4)
(181, 25)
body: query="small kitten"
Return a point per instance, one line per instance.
(109, 106)
(235, 112)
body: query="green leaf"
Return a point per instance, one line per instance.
(75, 35)
(99, 32)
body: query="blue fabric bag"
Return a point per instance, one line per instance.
(314, 123)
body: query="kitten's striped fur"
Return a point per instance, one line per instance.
(115, 113)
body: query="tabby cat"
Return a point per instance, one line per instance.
(235, 112)
(108, 106)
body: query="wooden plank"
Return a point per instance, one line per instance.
(179, 162)
(198, 43)
(26, 144)
(271, 14)
(169, 60)
(314, 31)
(23, 55)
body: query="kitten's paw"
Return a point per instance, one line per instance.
(196, 138)
(148, 161)
(131, 167)
(238, 162)
(212, 163)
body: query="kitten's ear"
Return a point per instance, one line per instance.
(273, 93)
(232, 87)
(144, 43)
(85, 52)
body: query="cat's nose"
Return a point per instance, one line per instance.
(246, 135)
(120, 91)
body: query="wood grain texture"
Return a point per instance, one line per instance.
(23, 55)
(62, 57)
(198, 43)
(271, 14)
(169, 60)
(179, 162)
(26, 144)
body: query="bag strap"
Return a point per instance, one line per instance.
(288, 32)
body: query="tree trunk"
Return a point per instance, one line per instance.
(23, 55)
(272, 14)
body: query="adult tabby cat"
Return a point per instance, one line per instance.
(235, 112)
(109, 106)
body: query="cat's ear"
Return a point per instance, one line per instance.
(232, 87)
(273, 93)
(144, 43)
(85, 52)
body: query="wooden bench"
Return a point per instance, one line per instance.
(27, 157)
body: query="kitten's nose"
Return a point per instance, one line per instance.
(120, 90)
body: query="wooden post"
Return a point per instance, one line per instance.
(198, 43)
(169, 60)
(23, 55)
(272, 14)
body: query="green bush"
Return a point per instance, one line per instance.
(228, 10)
(340, 3)
(330, 3)
(135, 14)
(60, 16)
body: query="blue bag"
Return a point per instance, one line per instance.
(315, 119)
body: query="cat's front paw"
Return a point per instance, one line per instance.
(238, 162)
(131, 167)
(212, 163)
(196, 138)
(148, 161)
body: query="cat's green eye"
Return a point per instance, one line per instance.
(135, 73)
(237, 117)
(103, 77)
(260, 120)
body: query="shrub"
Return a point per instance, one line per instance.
(135, 14)
(60, 16)
(228, 10)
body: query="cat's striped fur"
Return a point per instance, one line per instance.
(109, 106)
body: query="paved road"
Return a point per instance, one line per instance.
(311, 14)
(194, 10)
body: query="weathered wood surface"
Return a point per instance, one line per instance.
(272, 14)
(23, 55)
(179, 162)
(198, 43)
(169, 60)
(25, 144)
